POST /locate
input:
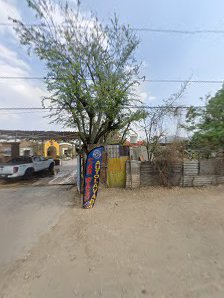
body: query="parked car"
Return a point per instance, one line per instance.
(25, 166)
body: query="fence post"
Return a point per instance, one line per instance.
(133, 173)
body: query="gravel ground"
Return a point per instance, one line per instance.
(152, 242)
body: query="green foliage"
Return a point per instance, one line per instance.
(208, 123)
(92, 72)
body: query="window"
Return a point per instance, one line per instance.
(36, 159)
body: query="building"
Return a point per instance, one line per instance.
(9, 150)
(67, 150)
(55, 144)
(49, 148)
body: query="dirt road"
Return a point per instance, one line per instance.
(26, 213)
(30, 208)
(152, 242)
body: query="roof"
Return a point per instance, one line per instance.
(38, 135)
(137, 144)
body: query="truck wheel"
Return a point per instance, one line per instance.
(51, 168)
(28, 174)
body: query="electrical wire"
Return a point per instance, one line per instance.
(39, 109)
(12, 112)
(141, 29)
(140, 79)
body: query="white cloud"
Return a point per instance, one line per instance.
(151, 98)
(19, 93)
(10, 71)
(4, 116)
(14, 91)
(144, 95)
(8, 8)
(11, 59)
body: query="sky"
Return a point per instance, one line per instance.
(164, 56)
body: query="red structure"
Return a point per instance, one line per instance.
(138, 144)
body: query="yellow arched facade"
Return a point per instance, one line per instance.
(48, 145)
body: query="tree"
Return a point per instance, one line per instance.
(91, 69)
(153, 121)
(207, 124)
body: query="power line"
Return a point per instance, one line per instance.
(23, 78)
(141, 29)
(26, 109)
(176, 31)
(182, 81)
(165, 107)
(7, 112)
(143, 80)
(126, 106)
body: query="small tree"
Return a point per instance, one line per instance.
(92, 71)
(153, 121)
(207, 123)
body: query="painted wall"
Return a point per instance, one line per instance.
(116, 171)
(49, 144)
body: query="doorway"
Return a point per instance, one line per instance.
(52, 152)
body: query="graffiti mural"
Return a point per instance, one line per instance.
(92, 175)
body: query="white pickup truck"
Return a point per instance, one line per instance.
(25, 166)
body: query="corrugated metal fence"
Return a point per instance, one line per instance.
(187, 173)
